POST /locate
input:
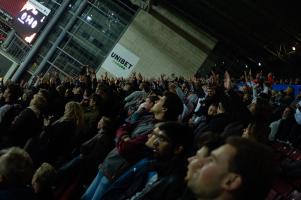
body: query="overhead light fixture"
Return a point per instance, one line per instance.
(294, 48)
(246, 66)
(89, 18)
(259, 64)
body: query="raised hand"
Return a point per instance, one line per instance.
(227, 81)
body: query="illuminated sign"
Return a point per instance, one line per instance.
(120, 61)
(30, 20)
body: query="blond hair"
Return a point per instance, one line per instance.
(38, 101)
(43, 177)
(73, 112)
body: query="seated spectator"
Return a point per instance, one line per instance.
(130, 144)
(9, 110)
(16, 170)
(143, 109)
(196, 120)
(81, 169)
(257, 131)
(294, 135)
(91, 115)
(288, 96)
(220, 120)
(26, 97)
(230, 173)
(133, 100)
(205, 101)
(43, 180)
(261, 110)
(281, 127)
(28, 123)
(99, 146)
(96, 149)
(289, 127)
(61, 136)
(160, 176)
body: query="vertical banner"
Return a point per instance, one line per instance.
(120, 61)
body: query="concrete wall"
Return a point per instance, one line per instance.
(161, 50)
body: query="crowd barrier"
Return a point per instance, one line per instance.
(281, 87)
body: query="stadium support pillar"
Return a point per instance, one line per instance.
(59, 39)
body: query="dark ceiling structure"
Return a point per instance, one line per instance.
(260, 30)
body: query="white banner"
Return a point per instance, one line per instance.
(120, 61)
(40, 7)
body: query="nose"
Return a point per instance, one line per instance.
(191, 158)
(197, 161)
(156, 142)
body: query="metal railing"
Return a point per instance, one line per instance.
(3, 35)
(18, 49)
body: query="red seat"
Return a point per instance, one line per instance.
(283, 149)
(296, 184)
(295, 155)
(272, 195)
(282, 187)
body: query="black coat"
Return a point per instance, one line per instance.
(25, 126)
(169, 185)
(17, 193)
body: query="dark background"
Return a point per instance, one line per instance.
(249, 32)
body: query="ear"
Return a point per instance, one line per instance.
(2, 179)
(231, 182)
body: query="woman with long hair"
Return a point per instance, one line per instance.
(60, 138)
(73, 113)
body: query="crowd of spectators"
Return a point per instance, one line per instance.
(162, 138)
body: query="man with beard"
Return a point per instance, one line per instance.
(161, 174)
